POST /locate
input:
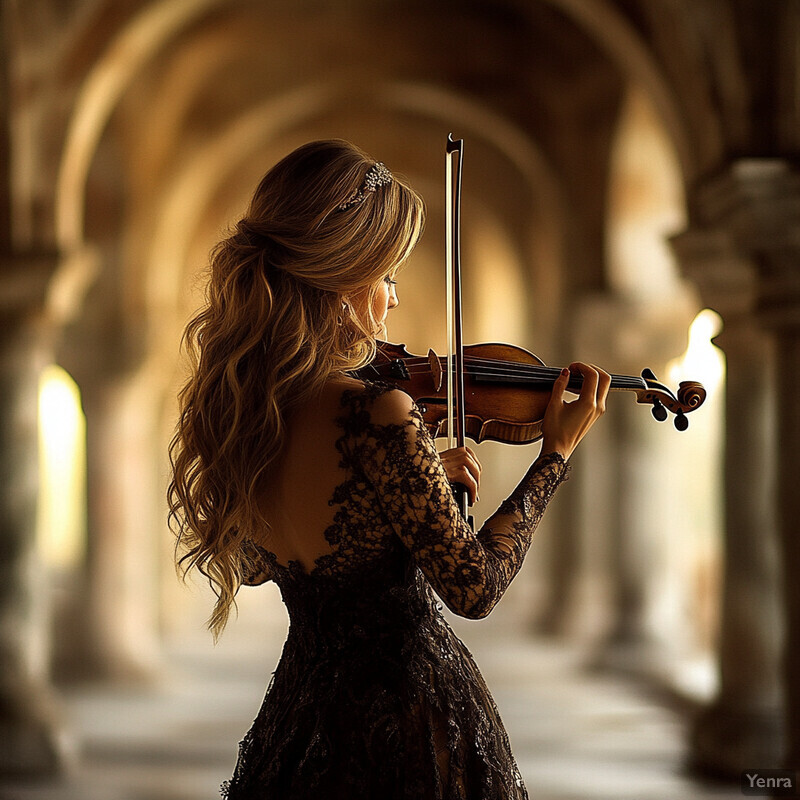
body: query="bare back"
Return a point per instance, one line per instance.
(296, 500)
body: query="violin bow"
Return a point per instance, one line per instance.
(456, 414)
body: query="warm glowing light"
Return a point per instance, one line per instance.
(62, 460)
(703, 361)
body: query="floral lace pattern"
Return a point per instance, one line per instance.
(374, 695)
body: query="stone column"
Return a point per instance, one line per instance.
(741, 728)
(122, 558)
(629, 492)
(570, 596)
(30, 739)
(756, 204)
(115, 636)
(788, 357)
(762, 199)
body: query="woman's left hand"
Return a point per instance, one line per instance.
(462, 466)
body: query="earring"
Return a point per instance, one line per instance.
(344, 313)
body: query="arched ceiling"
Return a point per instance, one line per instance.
(184, 75)
(184, 103)
(532, 59)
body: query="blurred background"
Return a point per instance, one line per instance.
(631, 196)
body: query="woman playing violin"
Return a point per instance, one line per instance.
(287, 467)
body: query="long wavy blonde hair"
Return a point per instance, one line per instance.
(275, 326)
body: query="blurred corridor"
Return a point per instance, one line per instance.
(631, 198)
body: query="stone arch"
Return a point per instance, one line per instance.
(190, 192)
(96, 99)
(613, 30)
(152, 27)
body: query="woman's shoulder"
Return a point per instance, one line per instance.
(375, 402)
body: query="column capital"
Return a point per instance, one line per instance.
(751, 211)
(754, 198)
(725, 277)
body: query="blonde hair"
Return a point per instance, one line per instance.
(274, 328)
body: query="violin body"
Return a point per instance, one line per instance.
(495, 410)
(507, 389)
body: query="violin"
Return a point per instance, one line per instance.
(507, 388)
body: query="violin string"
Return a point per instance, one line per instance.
(544, 375)
(493, 366)
(503, 369)
(550, 372)
(483, 367)
(618, 382)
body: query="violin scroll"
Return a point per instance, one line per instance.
(691, 395)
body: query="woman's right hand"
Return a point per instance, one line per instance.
(462, 466)
(566, 423)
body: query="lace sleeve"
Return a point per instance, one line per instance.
(469, 571)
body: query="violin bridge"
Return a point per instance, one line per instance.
(437, 373)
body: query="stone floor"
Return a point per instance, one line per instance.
(576, 735)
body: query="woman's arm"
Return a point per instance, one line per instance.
(469, 571)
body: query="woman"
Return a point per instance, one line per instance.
(289, 468)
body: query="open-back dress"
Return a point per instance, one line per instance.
(374, 696)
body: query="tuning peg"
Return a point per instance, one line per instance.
(658, 411)
(648, 374)
(681, 423)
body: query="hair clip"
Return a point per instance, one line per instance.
(377, 175)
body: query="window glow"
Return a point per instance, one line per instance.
(62, 470)
(703, 361)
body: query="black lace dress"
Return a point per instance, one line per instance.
(375, 697)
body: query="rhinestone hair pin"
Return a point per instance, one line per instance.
(377, 175)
